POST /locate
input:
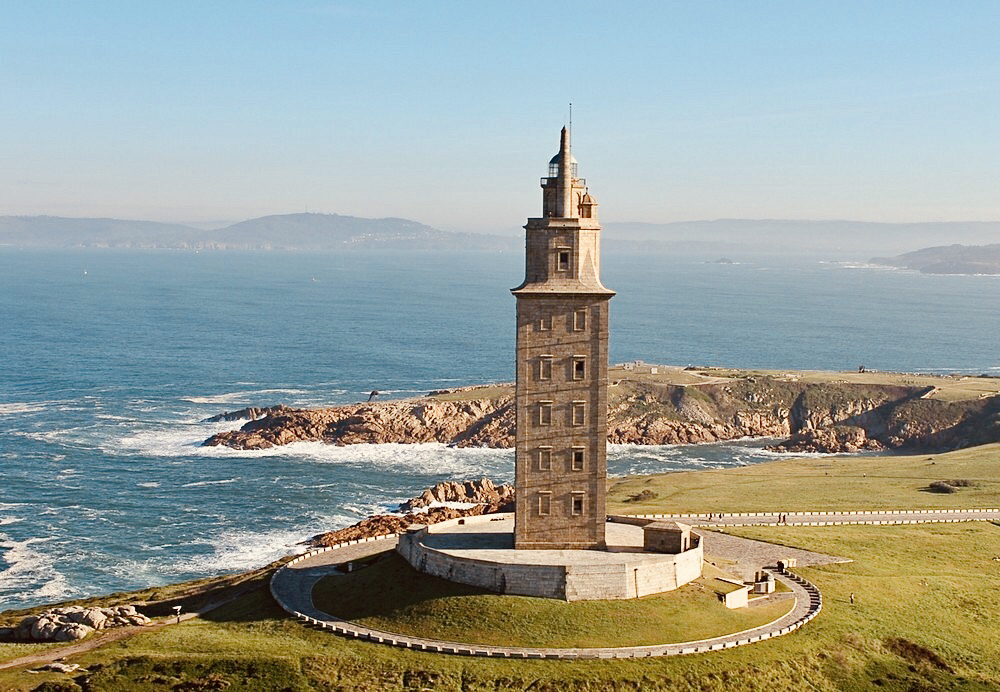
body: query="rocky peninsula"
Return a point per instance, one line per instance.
(809, 411)
(948, 259)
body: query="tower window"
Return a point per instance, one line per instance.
(579, 320)
(545, 413)
(579, 368)
(563, 263)
(544, 503)
(545, 368)
(576, 503)
(544, 458)
(545, 323)
(578, 458)
(579, 412)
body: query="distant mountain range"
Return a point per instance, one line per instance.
(311, 232)
(735, 238)
(948, 259)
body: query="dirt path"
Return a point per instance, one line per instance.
(108, 637)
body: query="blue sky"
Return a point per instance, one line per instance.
(447, 112)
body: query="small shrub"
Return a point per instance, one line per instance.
(942, 487)
(645, 495)
(962, 483)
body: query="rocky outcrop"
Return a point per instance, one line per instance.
(74, 622)
(249, 413)
(382, 524)
(839, 439)
(491, 498)
(890, 416)
(475, 423)
(483, 491)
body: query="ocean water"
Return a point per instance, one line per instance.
(110, 360)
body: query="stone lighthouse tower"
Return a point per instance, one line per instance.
(562, 369)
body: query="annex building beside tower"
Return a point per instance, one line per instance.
(562, 369)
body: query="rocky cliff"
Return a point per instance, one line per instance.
(826, 417)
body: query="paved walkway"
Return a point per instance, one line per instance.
(747, 557)
(916, 516)
(293, 584)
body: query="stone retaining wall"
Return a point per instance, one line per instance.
(570, 582)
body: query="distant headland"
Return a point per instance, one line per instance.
(948, 259)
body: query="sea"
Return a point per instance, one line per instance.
(110, 360)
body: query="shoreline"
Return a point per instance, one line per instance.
(810, 411)
(849, 468)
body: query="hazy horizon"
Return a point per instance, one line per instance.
(448, 112)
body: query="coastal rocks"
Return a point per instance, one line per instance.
(249, 413)
(481, 491)
(382, 524)
(840, 439)
(70, 623)
(474, 423)
(492, 498)
(656, 413)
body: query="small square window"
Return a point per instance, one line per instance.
(576, 509)
(545, 368)
(579, 320)
(544, 504)
(579, 413)
(579, 368)
(544, 458)
(545, 323)
(578, 458)
(545, 413)
(563, 262)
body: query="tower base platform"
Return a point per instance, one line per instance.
(479, 551)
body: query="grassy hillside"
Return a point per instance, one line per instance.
(924, 618)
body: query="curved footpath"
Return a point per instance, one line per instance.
(292, 587)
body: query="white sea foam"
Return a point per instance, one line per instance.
(244, 550)
(248, 396)
(181, 439)
(148, 484)
(6, 521)
(196, 484)
(429, 458)
(868, 265)
(30, 573)
(25, 407)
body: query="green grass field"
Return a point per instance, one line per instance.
(924, 618)
(926, 614)
(822, 484)
(946, 388)
(392, 596)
